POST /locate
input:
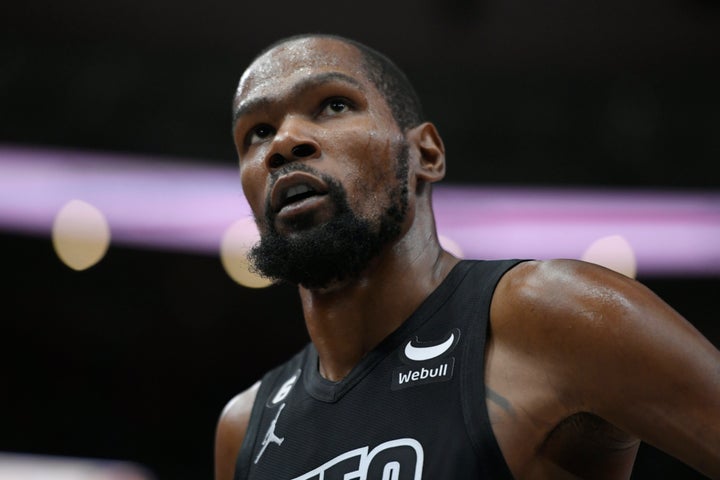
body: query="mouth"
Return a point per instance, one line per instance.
(294, 188)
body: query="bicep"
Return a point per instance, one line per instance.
(637, 363)
(230, 433)
(607, 345)
(660, 379)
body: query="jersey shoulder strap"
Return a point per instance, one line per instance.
(480, 286)
(270, 387)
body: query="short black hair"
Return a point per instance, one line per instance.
(391, 82)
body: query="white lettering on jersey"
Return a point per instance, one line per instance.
(284, 389)
(438, 371)
(400, 459)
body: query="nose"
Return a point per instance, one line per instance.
(293, 141)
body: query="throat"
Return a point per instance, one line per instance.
(335, 375)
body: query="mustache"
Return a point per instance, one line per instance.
(293, 167)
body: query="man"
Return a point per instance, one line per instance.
(422, 366)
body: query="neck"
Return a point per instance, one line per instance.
(348, 320)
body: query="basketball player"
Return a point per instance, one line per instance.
(422, 366)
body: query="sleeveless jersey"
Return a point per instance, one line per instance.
(413, 408)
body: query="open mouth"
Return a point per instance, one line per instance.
(294, 188)
(296, 194)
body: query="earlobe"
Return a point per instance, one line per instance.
(431, 161)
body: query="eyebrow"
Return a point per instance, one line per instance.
(260, 103)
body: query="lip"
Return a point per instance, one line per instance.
(286, 182)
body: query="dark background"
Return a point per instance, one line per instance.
(134, 358)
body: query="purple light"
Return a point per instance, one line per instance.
(670, 232)
(186, 206)
(147, 203)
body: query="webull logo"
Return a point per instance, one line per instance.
(439, 371)
(415, 375)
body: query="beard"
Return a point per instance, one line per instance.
(337, 250)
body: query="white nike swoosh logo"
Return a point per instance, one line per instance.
(420, 354)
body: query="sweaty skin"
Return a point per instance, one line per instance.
(581, 364)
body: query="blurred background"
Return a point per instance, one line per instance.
(132, 359)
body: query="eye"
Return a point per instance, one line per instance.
(334, 106)
(259, 133)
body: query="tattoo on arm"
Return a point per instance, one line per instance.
(499, 400)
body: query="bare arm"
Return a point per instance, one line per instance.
(610, 347)
(231, 430)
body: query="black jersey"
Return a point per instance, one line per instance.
(413, 408)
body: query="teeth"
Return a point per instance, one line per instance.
(297, 190)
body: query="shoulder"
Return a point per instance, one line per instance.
(533, 280)
(552, 306)
(230, 432)
(599, 342)
(567, 320)
(561, 294)
(597, 334)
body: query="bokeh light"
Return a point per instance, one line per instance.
(613, 252)
(14, 466)
(80, 235)
(235, 244)
(451, 246)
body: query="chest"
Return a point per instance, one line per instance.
(412, 409)
(376, 430)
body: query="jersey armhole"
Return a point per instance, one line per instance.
(472, 386)
(242, 465)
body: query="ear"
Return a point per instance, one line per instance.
(431, 161)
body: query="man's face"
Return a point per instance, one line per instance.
(322, 162)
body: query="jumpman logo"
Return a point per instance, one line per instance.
(270, 436)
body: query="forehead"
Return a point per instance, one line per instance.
(292, 61)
